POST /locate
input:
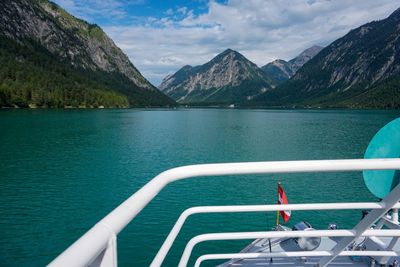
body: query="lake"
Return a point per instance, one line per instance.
(63, 170)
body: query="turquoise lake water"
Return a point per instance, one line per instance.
(63, 170)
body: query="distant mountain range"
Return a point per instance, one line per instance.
(51, 59)
(359, 70)
(230, 78)
(280, 70)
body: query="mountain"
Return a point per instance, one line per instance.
(359, 70)
(177, 78)
(280, 70)
(52, 59)
(297, 62)
(227, 78)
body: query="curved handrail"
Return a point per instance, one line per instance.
(83, 251)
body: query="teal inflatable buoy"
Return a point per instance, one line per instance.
(385, 144)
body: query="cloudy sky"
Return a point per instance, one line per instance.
(161, 36)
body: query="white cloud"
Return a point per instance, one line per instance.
(261, 30)
(182, 10)
(169, 12)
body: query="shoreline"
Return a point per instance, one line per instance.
(199, 107)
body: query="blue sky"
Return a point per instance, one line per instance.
(130, 12)
(162, 36)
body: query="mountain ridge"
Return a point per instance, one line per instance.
(86, 53)
(360, 69)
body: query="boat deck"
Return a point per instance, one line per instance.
(286, 245)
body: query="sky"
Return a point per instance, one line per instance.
(160, 37)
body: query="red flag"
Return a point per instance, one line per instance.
(282, 199)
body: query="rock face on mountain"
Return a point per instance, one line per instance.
(179, 77)
(297, 62)
(280, 70)
(83, 49)
(227, 78)
(361, 69)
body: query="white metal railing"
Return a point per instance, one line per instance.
(97, 247)
(280, 234)
(166, 246)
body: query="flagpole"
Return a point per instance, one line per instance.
(277, 212)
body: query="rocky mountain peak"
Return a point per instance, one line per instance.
(304, 57)
(280, 70)
(229, 55)
(218, 80)
(228, 51)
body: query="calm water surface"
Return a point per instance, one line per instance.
(63, 170)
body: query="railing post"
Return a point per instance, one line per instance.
(395, 216)
(389, 201)
(384, 260)
(108, 258)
